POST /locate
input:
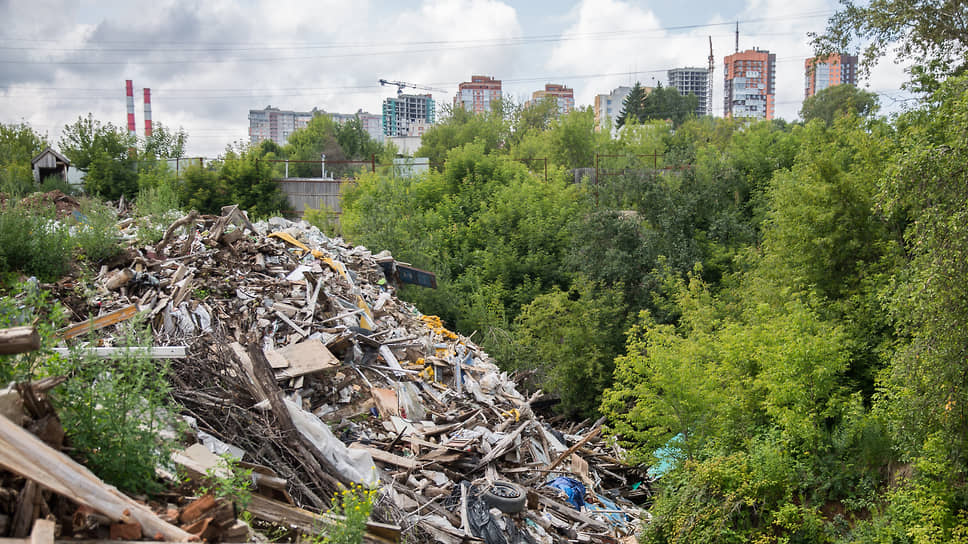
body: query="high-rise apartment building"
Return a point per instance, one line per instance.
(371, 122)
(749, 85)
(407, 114)
(821, 73)
(563, 96)
(609, 106)
(477, 94)
(276, 125)
(694, 81)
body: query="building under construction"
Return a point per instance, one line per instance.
(693, 81)
(407, 114)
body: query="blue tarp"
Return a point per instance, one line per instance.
(572, 487)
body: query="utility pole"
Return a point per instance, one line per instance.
(737, 36)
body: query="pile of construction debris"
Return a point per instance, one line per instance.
(290, 351)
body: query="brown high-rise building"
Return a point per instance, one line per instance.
(750, 83)
(564, 97)
(821, 73)
(477, 94)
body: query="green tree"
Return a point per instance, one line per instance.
(667, 103)
(573, 140)
(567, 342)
(164, 143)
(464, 127)
(926, 386)
(838, 101)
(203, 190)
(249, 182)
(931, 34)
(309, 143)
(632, 106)
(105, 153)
(19, 144)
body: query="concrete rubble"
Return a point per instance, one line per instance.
(290, 350)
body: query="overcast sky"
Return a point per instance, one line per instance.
(208, 62)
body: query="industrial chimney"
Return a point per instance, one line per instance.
(147, 113)
(129, 89)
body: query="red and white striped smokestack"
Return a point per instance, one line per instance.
(129, 89)
(147, 112)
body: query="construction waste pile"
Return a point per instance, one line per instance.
(289, 351)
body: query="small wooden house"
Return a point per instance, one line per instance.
(50, 163)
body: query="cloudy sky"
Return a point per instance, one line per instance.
(208, 62)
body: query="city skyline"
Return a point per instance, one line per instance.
(207, 65)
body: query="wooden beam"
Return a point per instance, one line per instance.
(387, 457)
(19, 340)
(311, 523)
(99, 322)
(23, 453)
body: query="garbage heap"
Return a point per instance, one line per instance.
(300, 360)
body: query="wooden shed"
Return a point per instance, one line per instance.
(50, 163)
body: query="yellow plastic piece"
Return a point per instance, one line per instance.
(513, 412)
(437, 325)
(286, 237)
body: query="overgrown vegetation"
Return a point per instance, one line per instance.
(354, 505)
(776, 307)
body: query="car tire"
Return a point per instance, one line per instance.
(506, 497)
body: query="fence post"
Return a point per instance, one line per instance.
(373, 162)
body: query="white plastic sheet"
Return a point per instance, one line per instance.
(355, 465)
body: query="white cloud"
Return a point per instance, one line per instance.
(209, 62)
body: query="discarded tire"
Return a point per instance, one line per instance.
(506, 497)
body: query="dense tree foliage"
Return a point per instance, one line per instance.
(19, 144)
(105, 153)
(837, 101)
(774, 307)
(632, 106)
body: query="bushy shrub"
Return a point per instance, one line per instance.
(324, 219)
(26, 303)
(354, 504)
(112, 410)
(55, 183)
(32, 242)
(96, 234)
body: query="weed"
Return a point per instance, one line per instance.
(354, 504)
(229, 480)
(55, 183)
(96, 235)
(33, 243)
(325, 219)
(27, 303)
(112, 411)
(16, 181)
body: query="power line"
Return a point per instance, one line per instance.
(402, 48)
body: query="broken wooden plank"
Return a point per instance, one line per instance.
(151, 352)
(310, 523)
(304, 358)
(19, 340)
(504, 445)
(99, 322)
(387, 457)
(24, 454)
(291, 323)
(386, 401)
(577, 445)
